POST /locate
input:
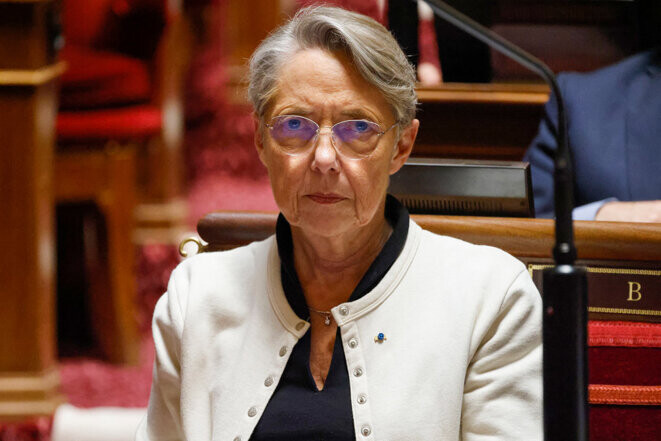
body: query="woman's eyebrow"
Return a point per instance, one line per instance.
(357, 114)
(295, 111)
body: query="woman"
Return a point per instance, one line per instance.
(352, 322)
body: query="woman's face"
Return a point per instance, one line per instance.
(321, 191)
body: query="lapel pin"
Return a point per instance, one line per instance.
(380, 338)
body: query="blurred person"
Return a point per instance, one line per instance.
(614, 131)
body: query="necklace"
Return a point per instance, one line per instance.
(325, 314)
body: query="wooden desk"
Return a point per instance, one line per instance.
(479, 121)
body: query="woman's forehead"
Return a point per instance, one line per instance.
(315, 80)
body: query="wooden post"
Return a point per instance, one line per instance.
(246, 24)
(29, 378)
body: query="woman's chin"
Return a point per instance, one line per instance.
(326, 221)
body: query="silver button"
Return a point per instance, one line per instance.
(283, 351)
(344, 310)
(362, 399)
(357, 372)
(300, 325)
(237, 438)
(353, 343)
(269, 381)
(366, 431)
(252, 412)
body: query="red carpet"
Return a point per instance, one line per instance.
(89, 382)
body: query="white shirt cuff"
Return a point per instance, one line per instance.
(589, 211)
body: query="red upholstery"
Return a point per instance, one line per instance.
(118, 124)
(624, 353)
(630, 423)
(634, 366)
(101, 79)
(627, 334)
(85, 20)
(109, 46)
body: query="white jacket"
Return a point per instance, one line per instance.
(461, 359)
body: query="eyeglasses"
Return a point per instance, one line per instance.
(355, 139)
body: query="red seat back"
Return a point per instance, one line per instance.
(85, 21)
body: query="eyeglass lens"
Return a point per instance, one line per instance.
(353, 137)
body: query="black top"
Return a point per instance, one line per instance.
(298, 410)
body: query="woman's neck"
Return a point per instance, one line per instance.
(329, 268)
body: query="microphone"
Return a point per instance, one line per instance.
(564, 285)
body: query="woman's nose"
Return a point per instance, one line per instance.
(325, 156)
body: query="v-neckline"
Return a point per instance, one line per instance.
(313, 383)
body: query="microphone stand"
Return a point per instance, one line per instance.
(564, 285)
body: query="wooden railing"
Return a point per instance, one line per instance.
(528, 239)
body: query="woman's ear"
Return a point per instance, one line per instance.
(259, 138)
(404, 146)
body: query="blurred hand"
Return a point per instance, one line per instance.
(429, 75)
(639, 211)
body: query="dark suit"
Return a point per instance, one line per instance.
(614, 128)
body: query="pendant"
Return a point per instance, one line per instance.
(327, 319)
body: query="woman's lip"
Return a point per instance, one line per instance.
(325, 198)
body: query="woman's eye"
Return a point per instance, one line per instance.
(361, 126)
(294, 124)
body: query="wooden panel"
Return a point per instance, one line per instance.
(32, 77)
(28, 33)
(603, 13)
(248, 23)
(566, 35)
(80, 175)
(26, 261)
(29, 393)
(27, 316)
(28, 376)
(479, 121)
(107, 177)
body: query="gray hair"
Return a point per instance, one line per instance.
(373, 50)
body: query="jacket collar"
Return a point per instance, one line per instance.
(398, 218)
(347, 311)
(654, 66)
(283, 311)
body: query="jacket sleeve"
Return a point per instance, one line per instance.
(503, 387)
(540, 155)
(163, 420)
(542, 150)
